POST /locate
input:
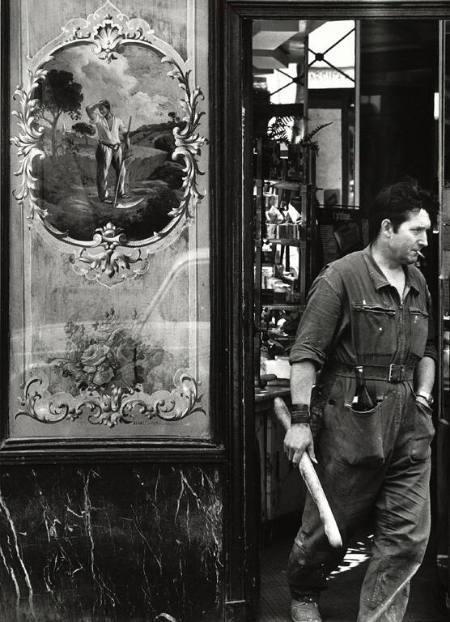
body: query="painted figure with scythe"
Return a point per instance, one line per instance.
(112, 148)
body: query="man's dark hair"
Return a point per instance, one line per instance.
(396, 202)
(105, 102)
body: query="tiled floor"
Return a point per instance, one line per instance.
(340, 602)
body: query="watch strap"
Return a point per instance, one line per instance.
(300, 414)
(426, 396)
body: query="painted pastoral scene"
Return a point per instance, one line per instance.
(108, 140)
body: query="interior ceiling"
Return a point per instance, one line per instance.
(403, 45)
(276, 43)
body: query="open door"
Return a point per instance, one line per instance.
(246, 157)
(442, 442)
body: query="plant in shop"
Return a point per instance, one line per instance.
(307, 139)
(278, 129)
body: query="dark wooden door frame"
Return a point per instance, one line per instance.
(230, 36)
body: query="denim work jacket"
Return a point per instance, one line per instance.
(355, 316)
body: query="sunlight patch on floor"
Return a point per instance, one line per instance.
(354, 557)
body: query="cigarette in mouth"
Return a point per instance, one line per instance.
(421, 254)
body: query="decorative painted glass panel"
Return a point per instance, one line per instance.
(109, 233)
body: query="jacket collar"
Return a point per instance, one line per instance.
(378, 278)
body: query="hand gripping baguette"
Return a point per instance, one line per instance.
(312, 482)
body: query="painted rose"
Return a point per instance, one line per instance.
(96, 361)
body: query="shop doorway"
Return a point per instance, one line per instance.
(340, 108)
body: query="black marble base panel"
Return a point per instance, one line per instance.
(111, 543)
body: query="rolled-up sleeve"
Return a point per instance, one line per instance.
(318, 324)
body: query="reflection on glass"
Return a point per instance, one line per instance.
(331, 107)
(312, 68)
(331, 56)
(139, 367)
(304, 146)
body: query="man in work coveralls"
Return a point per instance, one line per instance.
(111, 132)
(371, 310)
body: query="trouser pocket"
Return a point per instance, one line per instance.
(423, 432)
(362, 436)
(358, 436)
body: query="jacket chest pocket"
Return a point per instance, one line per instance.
(374, 331)
(418, 334)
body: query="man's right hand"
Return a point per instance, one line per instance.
(299, 439)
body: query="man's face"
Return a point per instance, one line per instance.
(410, 238)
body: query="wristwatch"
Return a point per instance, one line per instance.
(426, 396)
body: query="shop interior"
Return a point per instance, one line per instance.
(340, 109)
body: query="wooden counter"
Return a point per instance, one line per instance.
(264, 397)
(282, 491)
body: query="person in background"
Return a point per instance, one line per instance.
(112, 135)
(364, 356)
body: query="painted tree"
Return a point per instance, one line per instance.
(83, 129)
(58, 93)
(173, 117)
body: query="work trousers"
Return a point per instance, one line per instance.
(106, 157)
(376, 466)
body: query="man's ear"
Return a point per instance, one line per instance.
(386, 227)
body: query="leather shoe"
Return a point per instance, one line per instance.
(305, 611)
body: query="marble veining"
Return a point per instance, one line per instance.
(13, 561)
(111, 543)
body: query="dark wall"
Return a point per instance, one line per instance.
(399, 75)
(110, 543)
(397, 141)
(399, 135)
